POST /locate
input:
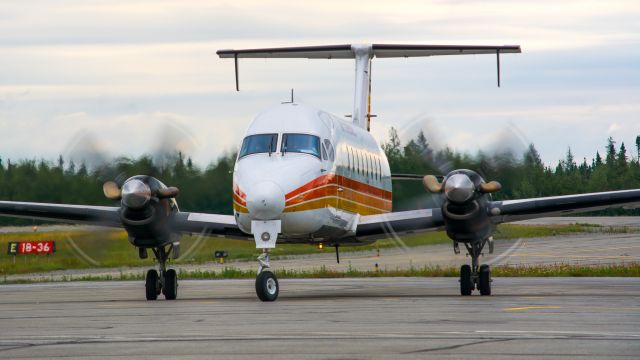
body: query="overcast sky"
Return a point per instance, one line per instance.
(120, 74)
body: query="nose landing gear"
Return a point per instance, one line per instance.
(267, 287)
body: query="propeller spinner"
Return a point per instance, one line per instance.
(136, 192)
(460, 185)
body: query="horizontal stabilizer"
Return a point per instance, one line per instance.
(363, 53)
(378, 50)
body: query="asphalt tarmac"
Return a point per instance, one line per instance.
(394, 318)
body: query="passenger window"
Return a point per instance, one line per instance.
(373, 168)
(366, 164)
(301, 143)
(262, 143)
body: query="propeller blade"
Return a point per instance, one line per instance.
(407, 177)
(169, 192)
(172, 139)
(490, 187)
(432, 184)
(111, 190)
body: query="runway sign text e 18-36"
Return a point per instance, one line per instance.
(31, 247)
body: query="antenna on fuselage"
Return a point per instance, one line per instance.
(289, 102)
(363, 54)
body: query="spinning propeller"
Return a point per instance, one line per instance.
(170, 139)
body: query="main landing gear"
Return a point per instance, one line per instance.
(267, 287)
(163, 281)
(474, 277)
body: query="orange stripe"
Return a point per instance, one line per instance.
(313, 194)
(319, 181)
(348, 194)
(365, 188)
(237, 199)
(342, 181)
(360, 198)
(341, 204)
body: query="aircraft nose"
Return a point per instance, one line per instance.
(265, 201)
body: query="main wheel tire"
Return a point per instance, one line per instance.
(152, 285)
(170, 288)
(484, 279)
(466, 285)
(267, 287)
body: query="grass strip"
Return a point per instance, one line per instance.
(559, 270)
(111, 249)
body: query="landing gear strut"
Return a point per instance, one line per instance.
(474, 276)
(163, 281)
(267, 287)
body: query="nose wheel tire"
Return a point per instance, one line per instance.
(466, 283)
(152, 285)
(484, 280)
(267, 287)
(170, 288)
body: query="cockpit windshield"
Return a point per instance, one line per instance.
(262, 143)
(301, 143)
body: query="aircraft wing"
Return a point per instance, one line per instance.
(208, 224)
(75, 214)
(371, 227)
(523, 209)
(405, 222)
(182, 222)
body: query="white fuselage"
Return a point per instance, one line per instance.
(317, 192)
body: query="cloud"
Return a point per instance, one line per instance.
(120, 69)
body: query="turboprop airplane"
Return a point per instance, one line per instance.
(305, 176)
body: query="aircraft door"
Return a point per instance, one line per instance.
(329, 166)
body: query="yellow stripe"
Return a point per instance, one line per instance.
(239, 208)
(341, 204)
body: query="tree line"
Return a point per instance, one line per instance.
(208, 189)
(521, 175)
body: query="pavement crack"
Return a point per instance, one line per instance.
(458, 346)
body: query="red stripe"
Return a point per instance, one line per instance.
(237, 191)
(240, 201)
(345, 194)
(341, 181)
(319, 181)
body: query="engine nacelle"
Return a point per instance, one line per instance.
(146, 211)
(465, 206)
